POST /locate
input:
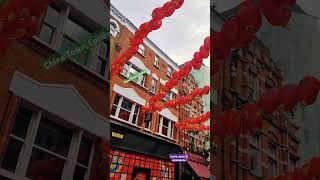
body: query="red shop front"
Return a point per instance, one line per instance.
(127, 165)
(135, 155)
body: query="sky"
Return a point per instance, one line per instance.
(181, 35)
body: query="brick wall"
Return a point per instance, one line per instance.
(243, 78)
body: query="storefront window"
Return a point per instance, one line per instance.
(130, 165)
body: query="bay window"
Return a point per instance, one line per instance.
(38, 146)
(125, 110)
(165, 127)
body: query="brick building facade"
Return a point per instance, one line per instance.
(148, 138)
(52, 122)
(270, 151)
(191, 110)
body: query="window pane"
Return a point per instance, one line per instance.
(165, 122)
(46, 33)
(126, 105)
(11, 155)
(75, 31)
(21, 123)
(101, 67)
(79, 56)
(52, 16)
(113, 110)
(79, 173)
(164, 130)
(85, 151)
(43, 165)
(53, 137)
(116, 100)
(124, 114)
(104, 50)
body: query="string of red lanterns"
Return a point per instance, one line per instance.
(239, 31)
(200, 119)
(285, 98)
(178, 101)
(158, 14)
(194, 127)
(308, 171)
(195, 63)
(19, 19)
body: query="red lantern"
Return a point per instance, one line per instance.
(308, 90)
(269, 101)
(136, 41)
(158, 13)
(230, 32)
(289, 97)
(251, 114)
(204, 52)
(313, 169)
(155, 24)
(249, 16)
(177, 3)
(276, 12)
(207, 43)
(221, 49)
(168, 9)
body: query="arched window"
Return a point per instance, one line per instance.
(114, 27)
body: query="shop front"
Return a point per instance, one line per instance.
(136, 155)
(196, 168)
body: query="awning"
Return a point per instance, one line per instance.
(200, 169)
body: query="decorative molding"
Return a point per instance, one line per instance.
(129, 93)
(168, 114)
(137, 62)
(63, 101)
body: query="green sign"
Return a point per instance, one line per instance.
(134, 76)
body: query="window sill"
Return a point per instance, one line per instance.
(156, 66)
(169, 76)
(126, 122)
(153, 93)
(148, 130)
(158, 134)
(47, 50)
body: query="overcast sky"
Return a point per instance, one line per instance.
(182, 34)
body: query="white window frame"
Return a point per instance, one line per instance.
(128, 67)
(59, 34)
(169, 71)
(29, 144)
(142, 50)
(131, 111)
(170, 127)
(156, 61)
(153, 88)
